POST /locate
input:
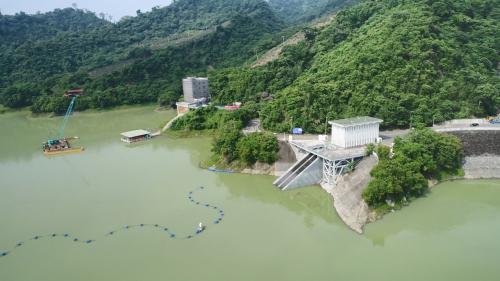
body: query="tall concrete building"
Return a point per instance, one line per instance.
(355, 131)
(195, 88)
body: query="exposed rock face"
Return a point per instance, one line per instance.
(347, 199)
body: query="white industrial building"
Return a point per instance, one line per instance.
(194, 89)
(357, 131)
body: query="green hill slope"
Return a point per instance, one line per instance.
(153, 73)
(88, 49)
(19, 28)
(35, 71)
(299, 11)
(402, 61)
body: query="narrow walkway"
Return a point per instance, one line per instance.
(169, 124)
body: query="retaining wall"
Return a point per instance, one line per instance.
(479, 142)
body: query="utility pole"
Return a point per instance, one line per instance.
(326, 124)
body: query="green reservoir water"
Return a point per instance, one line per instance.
(265, 234)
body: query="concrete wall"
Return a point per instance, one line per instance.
(310, 176)
(466, 121)
(353, 136)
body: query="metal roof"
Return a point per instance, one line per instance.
(355, 121)
(135, 133)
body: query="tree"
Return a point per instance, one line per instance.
(168, 98)
(226, 140)
(420, 156)
(260, 147)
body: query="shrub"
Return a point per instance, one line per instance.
(260, 147)
(422, 155)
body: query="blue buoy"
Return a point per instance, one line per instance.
(172, 235)
(66, 235)
(36, 237)
(19, 244)
(88, 241)
(111, 233)
(216, 222)
(165, 229)
(127, 227)
(4, 254)
(76, 239)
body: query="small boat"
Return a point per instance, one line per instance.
(213, 169)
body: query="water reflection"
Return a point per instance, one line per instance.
(448, 207)
(22, 134)
(310, 202)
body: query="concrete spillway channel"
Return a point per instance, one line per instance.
(305, 172)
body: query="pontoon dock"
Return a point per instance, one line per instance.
(135, 136)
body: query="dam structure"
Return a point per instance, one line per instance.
(324, 162)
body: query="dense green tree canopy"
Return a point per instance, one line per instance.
(420, 156)
(406, 62)
(19, 28)
(297, 11)
(146, 73)
(402, 61)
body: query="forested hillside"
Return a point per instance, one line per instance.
(402, 61)
(36, 72)
(299, 11)
(19, 28)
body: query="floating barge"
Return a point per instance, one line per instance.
(136, 136)
(60, 146)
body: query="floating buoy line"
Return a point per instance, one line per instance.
(169, 233)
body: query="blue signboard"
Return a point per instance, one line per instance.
(297, 131)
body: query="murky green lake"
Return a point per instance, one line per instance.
(265, 234)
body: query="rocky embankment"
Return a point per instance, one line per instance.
(485, 166)
(347, 200)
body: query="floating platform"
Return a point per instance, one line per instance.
(136, 136)
(63, 151)
(60, 146)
